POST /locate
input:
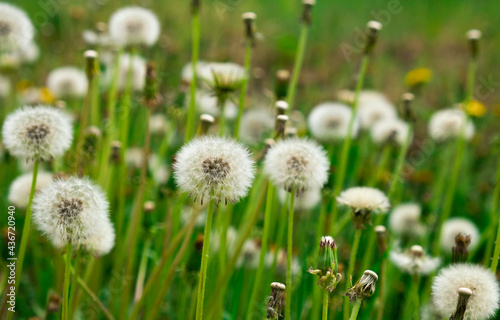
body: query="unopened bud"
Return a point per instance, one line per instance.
(464, 295)
(276, 301)
(115, 157)
(474, 36)
(460, 252)
(280, 125)
(364, 288)
(91, 64)
(92, 137)
(373, 29)
(307, 11)
(151, 97)
(249, 22)
(282, 82)
(195, 6)
(407, 111)
(381, 233)
(206, 122)
(281, 107)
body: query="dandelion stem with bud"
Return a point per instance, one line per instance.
(288, 303)
(325, 305)
(355, 310)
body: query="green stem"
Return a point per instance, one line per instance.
(95, 113)
(340, 177)
(382, 280)
(222, 119)
(94, 297)
(288, 303)
(325, 305)
(299, 58)
(495, 221)
(263, 250)
(355, 309)
(396, 176)
(382, 164)
(244, 86)
(67, 271)
(415, 296)
(204, 262)
(191, 121)
(352, 262)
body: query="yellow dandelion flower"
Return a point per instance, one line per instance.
(418, 76)
(475, 108)
(46, 95)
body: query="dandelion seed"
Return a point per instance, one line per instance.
(329, 121)
(37, 133)
(452, 227)
(372, 107)
(297, 164)
(256, 125)
(364, 201)
(211, 168)
(449, 123)
(70, 211)
(414, 261)
(19, 192)
(404, 220)
(16, 29)
(390, 130)
(67, 82)
(134, 26)
(484, 300)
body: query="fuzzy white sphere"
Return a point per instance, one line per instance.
(103, 241)
(404, 220)
(304, 201)
(364, 198)
(206, 102)
(452, 227)
(449, 123)
(414, 264)
(20, 189)
(134, 26)
(67, 82)
(390, 130)
(297, 164)
(16, 28)
(372, 107)
(329, 121)
(214, 168)
(256, 124)
(70, 210)
(187, 71)
(37, 132)
(208, 71)
(29, 52)
(483, 304)
(136, 69)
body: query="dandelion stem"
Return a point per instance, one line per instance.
(495, 221)
(221, 101)
(299, 58)
(396, 176)
(415, 296)
(94, 297)
(204, 261)
(339, 182)
(355, 309)
(244, 86)
(263, 249)
(383, 281)
(67, 271)
(352, 262)
(288, 303)
(325, 305)
(195, 51)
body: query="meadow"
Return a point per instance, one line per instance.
(245, 159)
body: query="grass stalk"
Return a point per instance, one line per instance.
(299, 59)
(195, 51)
(349, 274)
(67, 272)
(288, 303)
(244, 86)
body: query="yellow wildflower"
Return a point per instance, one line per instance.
(475, 108)
(418, 76)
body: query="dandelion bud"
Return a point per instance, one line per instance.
(151, 96)
(464, 295)
(149, 206)
(280, 125)
(101, 27)
(282, 80)
(407, 111)
(249, 21)
(54, 303)
(460, 253)
(364, 288)
(92, 137)
(115, 156)
(327, 270)
(276, 301)
(281, 107)
(373, 29)
(206, 121)
(195, 6)
(474, 36)
(307, 11)
(381, 233)
(91, 64)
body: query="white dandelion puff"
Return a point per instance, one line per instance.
(16, 28)
(297, 164)
(256, 125)
(20, 189)
(390, 130)
(213, 168)
(158, 124)
(206, 102)
(37, 133)
(483, 303)
(364, 199)
(134, 26)
(187, 71)
(136, 68)
(374, 106)
(227, 71)
(70, 210)
(102, 241)
(305, 201)
(404, 220)
(329, 121)
(29, 52)
(414, 261)
(449, 123)
(67, 82)
(452, 227)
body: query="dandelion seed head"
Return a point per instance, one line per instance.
(448, 123)
(297, 164)
(137, 69)
(305, 201)
(390, 130)
(16, 29)
(485, 297)
(329, 121)
(134, 26)
(67, 82)
(372, 107)
(223, 77)
(187, 71)
(404, 220)
(213, 168)
(452, 227)
(103, 241)
(364, 198)
(414, 261)
(207, 103)
(255, 125)
(20, 188)
(37, 133)
(70, 210)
